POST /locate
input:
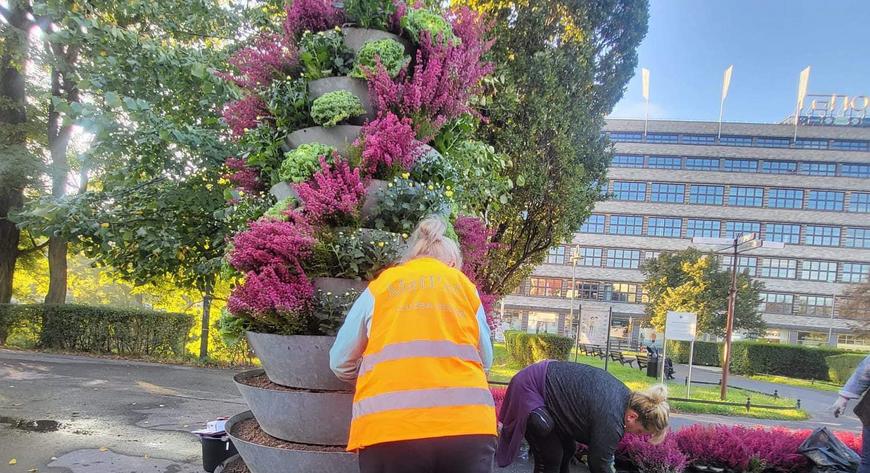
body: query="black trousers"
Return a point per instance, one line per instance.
(459, 454)
(552, 450)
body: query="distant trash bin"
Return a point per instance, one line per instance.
(652, 367)
(215, 450)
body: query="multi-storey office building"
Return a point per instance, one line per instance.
(679, 181)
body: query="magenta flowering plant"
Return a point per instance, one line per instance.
(475, 241)
(268, 56)
(244, 177)
(665, 457)
(388, 146)
(273, 302)
(334, 194)
(245, 114)
(715, 445)
(311, 15)
(271, 243)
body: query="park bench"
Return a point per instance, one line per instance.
(622, 359)
(642, 362)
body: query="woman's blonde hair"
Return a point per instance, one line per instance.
(651, 406)
(429, 239)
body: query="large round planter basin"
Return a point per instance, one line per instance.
(355, 38)
(370, 205)
(339, 137)
(297, 361)
(263, 459)
(282, 190)
(340, 285)
(357, 87)
(320, 418)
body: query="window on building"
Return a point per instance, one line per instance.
(625, 137)
(702, 228)
(822, 236)
(810, 144)
(591, 257)
(855, 170)
(825, 271)
(709, 195)
(593, 224)
(786, 233)
(664, 227)
(745, 264)
(825, 200)
(741, 165)
(814, 306)
(765, 142)
(662, 138)
(545, 287)
(774, 303)
(702, 164)
(620, 292)
(627, 161)
(671, 193)
(849, 145)
(818, 169)
(852, 339)
(698, 139)
(814, 339)
(785, 198)
(735, 229)
(589, 290)
(745, 196)
(627, 259)
(859, 202)
(626, 225)
(735, 141)
(649, 255)
(855, 272)
(556, 255)
(779, 167)
(778, 268)
(857, 237)
(665, 162)
(626, 190)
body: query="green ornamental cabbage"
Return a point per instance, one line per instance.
(301, 163)
(332, 108)
(418, 21)
(390, 52)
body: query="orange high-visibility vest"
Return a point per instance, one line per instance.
(421, 375)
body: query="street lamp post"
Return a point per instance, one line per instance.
(735, 246)
(575, 257)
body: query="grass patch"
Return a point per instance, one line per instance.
(503, 369)
(800, 383)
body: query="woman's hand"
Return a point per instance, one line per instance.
(839, 406)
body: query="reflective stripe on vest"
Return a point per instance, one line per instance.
(422, 398)
(418, 349)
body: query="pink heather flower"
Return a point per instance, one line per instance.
(474, 240)
(243, 176)
(245, 114)
(401, 9)
(312, 15)
(665, 457)
(269, 56)
(268, 243)
(388, 143)
(333, 191)
(267, 296)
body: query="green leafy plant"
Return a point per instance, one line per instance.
(482, 182)
(355, 254)
(323, 54)
(277, 211)
(403, 203)
(332, 108)
(301, 163)
(840, 367)
(331, 309)
(375, 14)
(287, 101)
(231, 328)
(390, 52)
(417, 21)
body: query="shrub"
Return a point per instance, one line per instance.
(376, 14)
(665, 457)
(245, 114)
(355, 254)
(388, 52)
(273, 301)
(324, 54)
(334, 194)
(527, 348)
(244, 177)
(270, 243)
(388, 146)
(840, 367)
(403, 203)
(332, 108)
(741, 448)
(706, 353)
(287, 102)
(301, 163)
(313, 15)
(795, 361)
(418, 21)
(268, 56)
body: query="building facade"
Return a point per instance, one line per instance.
(680, 180)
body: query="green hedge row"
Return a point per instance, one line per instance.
(98, 329)
(527, 348)
(706, 353)
(840, 367)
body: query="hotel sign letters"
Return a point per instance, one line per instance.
(827, 110)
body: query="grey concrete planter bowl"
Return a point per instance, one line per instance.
(320, 418)
(282, 190)
(339, 137)
(357, 87)
(340, 285)
(370, 205)
(355, 38)
(263, 459)
(297, 361)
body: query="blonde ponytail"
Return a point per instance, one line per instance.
(429, 239)
(653, 411)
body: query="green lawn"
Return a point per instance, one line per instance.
(503, 369)
(801, 383)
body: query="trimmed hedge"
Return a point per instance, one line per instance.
(795, 361)
(100, 329)
(706, 353)
(841, 367)
(527, 348)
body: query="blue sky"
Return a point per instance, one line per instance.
(691, 42)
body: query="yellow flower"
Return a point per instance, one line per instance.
(448, 187)
(404, 235)
(448, 193)
(223, 181)
(406, 175)
(431, 187)
(104, 225)
(380, 244)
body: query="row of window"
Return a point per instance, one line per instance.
(771, 268)
(738, 140)
(672, 227)
(741, 196)
(861, 170)
(797, 304)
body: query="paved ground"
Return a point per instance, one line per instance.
(111, 416)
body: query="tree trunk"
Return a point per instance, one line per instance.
(57, 271)
(207, 295)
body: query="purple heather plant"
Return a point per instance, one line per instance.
(389, 146)
(271, 299)
(334, 193)
(311, 15)
(271, 243)
(648, 458)
(243, 176)
(474, 239)
(245, 114)
(268, 56)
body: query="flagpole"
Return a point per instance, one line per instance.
(802, 92)
(726, 82)
(645, 76)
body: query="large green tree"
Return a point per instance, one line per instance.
(561, 67)
(856, 308)
(692, 281)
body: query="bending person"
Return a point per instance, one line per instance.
(557, 404)
(858, 386)
(417, 344)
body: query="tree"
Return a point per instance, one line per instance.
(856, 308)
(562, 66)
(691, 281)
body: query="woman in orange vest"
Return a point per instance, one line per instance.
(417, 344)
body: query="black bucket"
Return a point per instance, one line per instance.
(215, 451)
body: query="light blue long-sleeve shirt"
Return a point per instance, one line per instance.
(859, 382)
(353, 336)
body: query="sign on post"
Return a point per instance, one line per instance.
(680, 326)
